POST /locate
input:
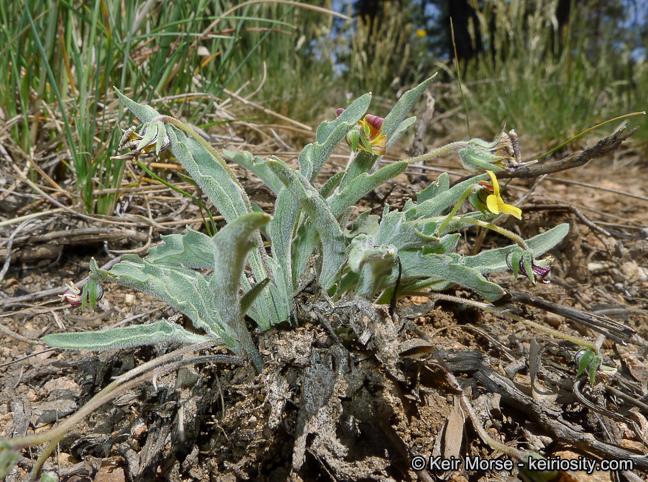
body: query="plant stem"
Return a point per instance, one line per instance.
(491, 309)
(441, 151)
(498, 229)
(455, 209)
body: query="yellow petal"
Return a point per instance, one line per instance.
(494, 182)
(512, 210)
(379, 145)
(492, 204)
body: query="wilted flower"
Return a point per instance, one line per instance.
(488, 198)
(539, 269)
(79, 296)
(500, 155)
(153, 137)
(369, 136)
(72, 295)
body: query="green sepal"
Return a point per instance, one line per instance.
(590, 361)
(527, 261)
(515, 257)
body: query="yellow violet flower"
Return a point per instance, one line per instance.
(495, 202)
(369, 136)
(372, 129)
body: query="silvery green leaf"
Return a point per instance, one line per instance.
(257, 166)
(341, 201)
(442, 201)
(446, 244)
(331, 184)
(144, 113)
(306, 241)
(248, 298)
(192, 250)
(317, 209)
(361, 185)
(212, 177)
(231, 246)
(400, 131)
(442, 184)
(495, 259)
(185, 290)
(365, 223)
(215, 179)
(362, 162)
(394, 230)
(373, 263)
(377, 265)
(282, 232)
(281, 290)
(158, 332)
(433, 268)
(350, 116)
(359, 245)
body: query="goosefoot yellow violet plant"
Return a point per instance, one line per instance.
(217, 280)
(378, 258)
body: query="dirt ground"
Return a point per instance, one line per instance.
(362, 409)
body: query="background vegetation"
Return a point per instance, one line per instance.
(549, 69)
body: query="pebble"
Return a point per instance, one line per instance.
(596, 268)
(630, 270)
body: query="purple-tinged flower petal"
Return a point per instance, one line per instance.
(72, 295)
(540, 271)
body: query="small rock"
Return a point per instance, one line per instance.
(50, 412)
(596, 268)
(630, 270)
(642, 274)
(62, 385)
(110, 474)
(553, 320)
